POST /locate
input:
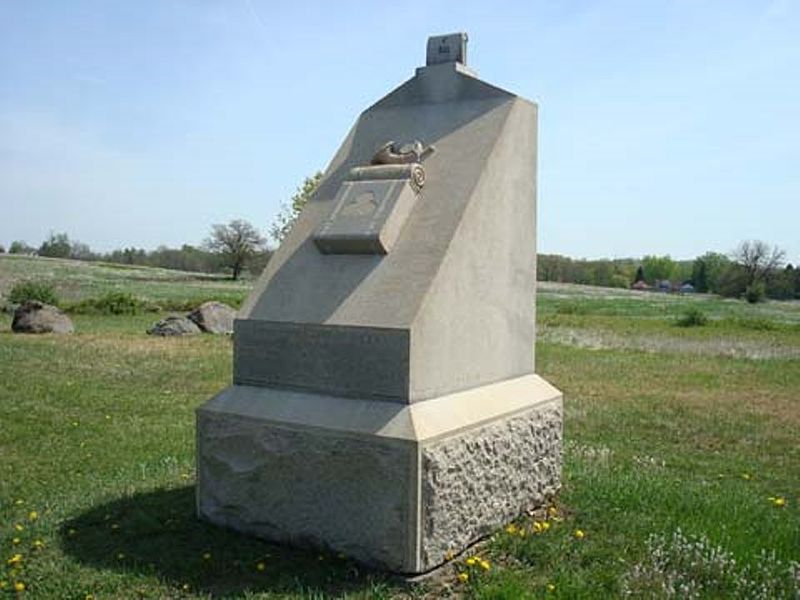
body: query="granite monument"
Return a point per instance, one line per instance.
(384, 402)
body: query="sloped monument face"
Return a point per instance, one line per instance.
(384, 402)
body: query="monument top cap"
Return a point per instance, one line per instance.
(448, 48)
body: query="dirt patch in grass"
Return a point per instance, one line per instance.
(594, 339)
(782, 408)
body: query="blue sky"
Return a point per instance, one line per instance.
(666, 127)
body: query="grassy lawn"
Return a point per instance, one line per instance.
(682, 460)
(77, 280)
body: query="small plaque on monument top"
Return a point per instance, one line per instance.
(447, 48)
(384, 402)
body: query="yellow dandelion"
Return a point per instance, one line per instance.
(16, 541)
(108, 417)
(551, 587)
(19, 501)
(463, 577)
(19, 527)
(537, 527)
(521, 532)
(207, 556)
(71, 532)
(88, 597)
(552, 511)
(33, 515)
(471, 561)
(511, 529)
(185, 587)
(3, 584)
(579, 534)
(14, 560)
(261, 566)
(779, 501)
(545, 525)
(485, 565)
(746, 476)
(38, 544)
(19, 586)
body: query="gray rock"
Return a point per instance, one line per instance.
(174, 325)
(37, 317)
(214, 317)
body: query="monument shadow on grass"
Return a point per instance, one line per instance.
(157, 533)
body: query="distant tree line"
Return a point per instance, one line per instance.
(619, 272)
(210, 258)
(231, 247)
(754, 270)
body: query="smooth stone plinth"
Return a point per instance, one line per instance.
(393, 485)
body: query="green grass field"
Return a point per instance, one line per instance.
(681, 478)
(76, 280)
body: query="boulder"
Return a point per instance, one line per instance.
(174, 325)
(214, 317)
(37, 317)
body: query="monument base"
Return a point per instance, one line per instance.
(396, 486)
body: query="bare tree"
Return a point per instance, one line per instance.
(758, 259)
(236, 242)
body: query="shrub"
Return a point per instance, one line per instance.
(33, 290)
(692, 317)
(755, 292)
(113, 303)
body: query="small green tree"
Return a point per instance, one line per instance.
(700, 275)
(56, 246)
(20, 247)
(236, 243)
(715, 264)
(658, 268)
(781, 285)
(289, 212)
(732, 281)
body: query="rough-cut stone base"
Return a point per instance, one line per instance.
(395, 486)
(475, 481)
(308, 487)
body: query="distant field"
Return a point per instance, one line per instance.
(682, 457)
(77, 280)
